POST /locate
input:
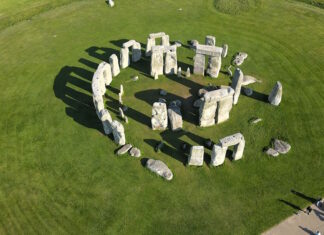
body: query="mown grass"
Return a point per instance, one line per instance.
(59, 173)
(235, 7)
(317, 3)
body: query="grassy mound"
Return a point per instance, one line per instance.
(235, 7)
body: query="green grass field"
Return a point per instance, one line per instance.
(59, 173)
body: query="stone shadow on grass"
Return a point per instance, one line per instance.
(291, 205)
(257, 96)
(79, 103)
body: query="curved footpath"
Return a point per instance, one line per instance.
(301, 223)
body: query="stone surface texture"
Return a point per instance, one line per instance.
(160, 168)
(175, 116)
(118, 132)
(159, 118)
(237, 84)
(218, 155)
(113, 61)
(124, 149)
(276, 94)
(196, 156)
(281, 146)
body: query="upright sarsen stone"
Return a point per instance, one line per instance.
(237, 84)
(136, 52)
(218, 155)
(171, 63)
(165, 40)
(276, 94)
(214, 66)
(199, 64)
(118, 132)
(175, 116)
(113, 61)
(150, 43)
(157, 61)
(159, 118)
(225, 50)
(124, 58)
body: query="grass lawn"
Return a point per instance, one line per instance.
(59, 173)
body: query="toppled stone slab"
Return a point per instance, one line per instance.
(255, 120)
(276, 94)
(175, 116)
(196, 157)
(160, 168)
(281, 146)
(159, 118)
(124, 149)
(247, 79)
(135, 152)
(271, 152)
(239, 58)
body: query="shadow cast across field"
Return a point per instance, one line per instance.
(297, 208)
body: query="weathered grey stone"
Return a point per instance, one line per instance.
(124, 58)
(179, 72)
(124, 149)
(198, 102)
(98, 85)
(255, 120)
(210, 40)
(157, 61)
(111, 3)
(106, 120)
(199, 64)
(104, 72)
(118, 132)
(247, 79)
(165, 40)
(160, 168)
(208, 50)
(159, 116)
(121, 89)
(175, 116)
(239, 143)
(212, 99)
(276, 94)
(194, 43)
(188, 73)
(163, 92)
(156, 35)
(129, 43)
(135, 152)
(239, 58)
(281, 146)
(271, 152)
(150, 43)
(214, 66)
(113, 61)
(98, 104)
(225, 50)
(218, 155)
(247, 91)
(120, 98)
(136, 52)
(171, 63)
(237, 84)
(196, 157)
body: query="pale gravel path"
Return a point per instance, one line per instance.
(301, 223)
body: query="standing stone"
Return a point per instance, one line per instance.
(136, 52)
(120, 99)
(179, 72)
(121, 89)
(196, 157)
(214, 66)
(239, 143)
(150, 43)
(104, 70)
(121, 113)
(224, 106)
(111, 3)
(157, 61)
(210, 40)
(124, 58)
(237, 84)
(188, 73)
(225, 50)
(199, 64)
(175, 117)
(158, 167)
(98, 85)
(218, 155)
(159, 116)
(165, 40)
(106, 120)
(207, 110)
(276, 94)
(98, 104)
(113, 60)
(171, 64)
(118, 132)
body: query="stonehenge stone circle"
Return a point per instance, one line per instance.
(196, 156)
(104, 70)
(113, 61)
(239, 143)
(159, 118)
(124, 53)
(160, 168)
(216, 106)
(276, 94)
(157, 61)
(151, 41)
(175, 116)
(237, 84)
(171, 63)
